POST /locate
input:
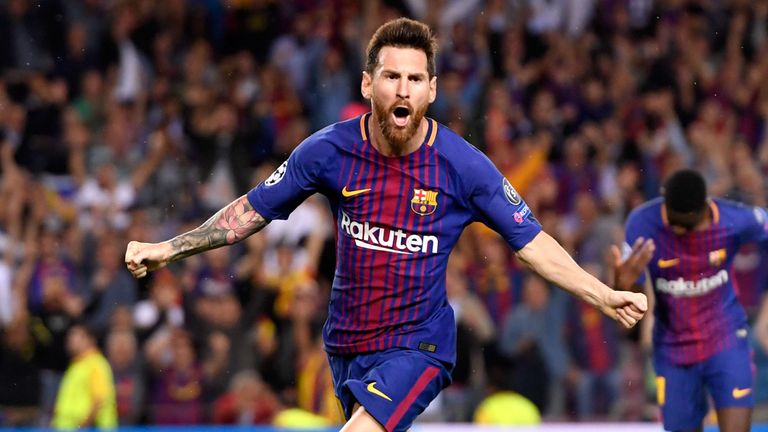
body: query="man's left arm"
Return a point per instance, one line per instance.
(495, 202)
(547, 258)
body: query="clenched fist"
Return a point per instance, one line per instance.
(626, 307)
(141, 258)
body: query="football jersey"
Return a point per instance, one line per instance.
(397, 219)
(697, 313)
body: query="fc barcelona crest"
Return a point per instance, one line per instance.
(716, 257)
(424, 202)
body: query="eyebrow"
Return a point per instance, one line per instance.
(421, 75)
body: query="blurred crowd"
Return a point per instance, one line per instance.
(137, 119)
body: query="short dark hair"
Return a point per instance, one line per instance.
(685, 192)
(402, 33)
(86, 328)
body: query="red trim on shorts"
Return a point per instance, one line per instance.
(422, 382)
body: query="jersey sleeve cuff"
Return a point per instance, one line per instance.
(520, 241)
(260, 206)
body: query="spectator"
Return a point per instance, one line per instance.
(533, 334)
(130, 391)
(593, 346)
(19, 375)
(109, 287)
(248, 402)
(124, 122)
(87, 394)
(162, 310)
(176, 390)
(476, 333)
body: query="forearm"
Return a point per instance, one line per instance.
(229, 225)
(547, 258)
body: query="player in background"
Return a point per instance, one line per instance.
(687, 243)
(402, 188)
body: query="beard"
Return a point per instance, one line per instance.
(398, 136)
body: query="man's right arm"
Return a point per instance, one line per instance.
(229, 225)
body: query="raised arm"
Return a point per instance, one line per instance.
(627, 270)
(229, 225)
(547, 258)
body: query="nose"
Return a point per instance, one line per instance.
(402, 88)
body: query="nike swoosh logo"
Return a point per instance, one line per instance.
(668, 262)
(740, 393)
(378, 392)
(350, 193)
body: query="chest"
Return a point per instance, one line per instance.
(700, 254)
(408, 193)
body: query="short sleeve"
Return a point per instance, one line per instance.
(496, 203)
(291, 183)
(754, 227)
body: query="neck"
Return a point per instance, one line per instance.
(386, 148)
(705, 221)
(84, 353)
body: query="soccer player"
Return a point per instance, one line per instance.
(402, 188)
(687, 242)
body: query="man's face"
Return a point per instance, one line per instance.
(682, 223)
(400, 91)
(77, 341)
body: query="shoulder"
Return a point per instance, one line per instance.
(470, 165)
(726, 206)
(318, 151)
(646, 214)
(734, 211)
(336, 135)
(456, 149)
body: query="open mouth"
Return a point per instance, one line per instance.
(401, 115)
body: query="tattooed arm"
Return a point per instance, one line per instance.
(229, 225)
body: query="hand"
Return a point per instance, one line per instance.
(625, 307)
(141, 258)
(628, 270)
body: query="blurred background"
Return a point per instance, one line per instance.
(137, 119)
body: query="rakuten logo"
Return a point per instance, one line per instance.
(381, 239)
(684, 288)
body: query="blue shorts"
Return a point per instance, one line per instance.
(682, 389)
(394, 386)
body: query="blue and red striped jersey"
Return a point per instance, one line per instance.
(397, 219)
(697, 313)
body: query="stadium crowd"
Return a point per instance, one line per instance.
(138, 119)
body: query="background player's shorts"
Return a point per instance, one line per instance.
(682, 389)
(394, 386)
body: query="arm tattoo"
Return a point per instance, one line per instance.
(229, 225)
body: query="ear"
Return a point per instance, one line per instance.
(432, 89)
(366, 85)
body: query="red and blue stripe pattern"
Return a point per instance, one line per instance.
(697, 312)
(380, 308)
(397, 220)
